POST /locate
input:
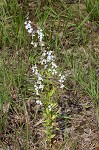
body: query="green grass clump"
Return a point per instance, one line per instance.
(92, 7)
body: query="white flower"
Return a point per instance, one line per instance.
(29, 22)
(39, 77)
(35, 44)
(26, 22)
(37, 93)
(49, 52)
(62, 86)
(60, 75)
(45, 51)
(39, 102)
(40, 34)
(54, 65)
(36, 89)
(38, 82)
(32, 43)
(33, 35)
(36, 72)
(35, 86)
(33, 69)
(43, 61)
(35, 66)
(54, 72)
(49, 58)
(49, 107)
(27, 26)
(50, 70)
(42, 44)
(61, 81)
(44, 54)
(41, 86)
(30, 30)
(52, 57)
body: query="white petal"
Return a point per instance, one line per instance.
(32, 43)
(29, 22)
(35, 44)
(44, 54)
(49, 107)
(30, 30)
(49, 58)
(41, 86)
(40, 78)
(25, 22)
(62, 86)
(38, 102)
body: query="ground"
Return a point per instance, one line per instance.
(76, 53)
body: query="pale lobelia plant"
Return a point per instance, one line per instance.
(45, 85)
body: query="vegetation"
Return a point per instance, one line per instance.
(49, 74)
(92, 8)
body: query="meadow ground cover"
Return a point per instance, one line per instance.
(49, 75)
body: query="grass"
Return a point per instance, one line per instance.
(92, 8)
(73, 40)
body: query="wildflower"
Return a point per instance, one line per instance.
(39, 77)
(62, 79)
(50, 107)
(62, 86)
(60, 74)
(36, 89)
(43, 61)
(38, 82)
(33, 35)
(29, 22)
(49, 70)
(27, 26)
(34, 68)
(42, 44)
(40, 34)
(54, 72)
(41, 86)
(49, 52)
(30, 30)
(26, 22)
(54, 65)
(34, 44)
(49, 58)
(36, 72)
(39, 102)
(44, 54)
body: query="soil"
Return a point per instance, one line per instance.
(77, 122)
